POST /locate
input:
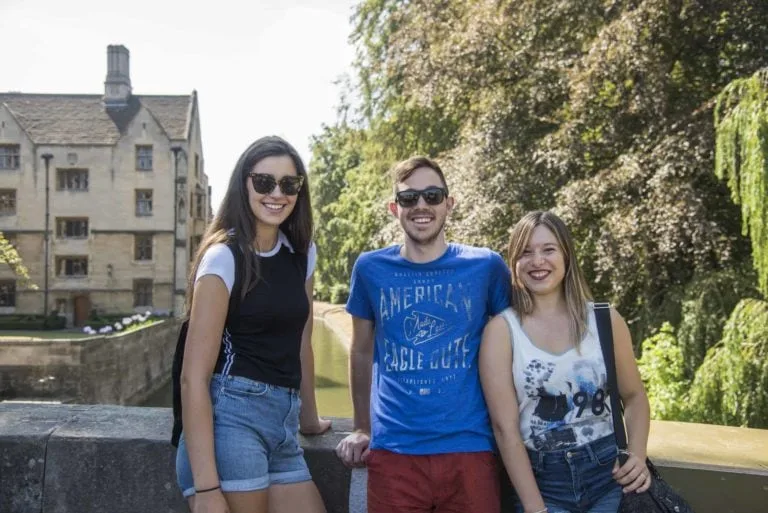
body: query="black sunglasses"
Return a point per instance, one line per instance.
(431, 195)
(264, 183)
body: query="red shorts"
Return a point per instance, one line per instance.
(462, 482)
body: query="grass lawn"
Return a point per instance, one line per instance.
(72, 333)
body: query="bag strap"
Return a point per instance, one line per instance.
(605, 334)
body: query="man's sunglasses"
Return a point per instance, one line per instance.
(264, 183)
(431, 195)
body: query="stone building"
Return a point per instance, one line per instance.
(101, 175)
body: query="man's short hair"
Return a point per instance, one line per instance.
(403, 170)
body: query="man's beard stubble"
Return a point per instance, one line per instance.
(429, 239)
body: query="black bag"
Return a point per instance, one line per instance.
(178, 355)
(660, 497)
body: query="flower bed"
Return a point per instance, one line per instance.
(116, 324)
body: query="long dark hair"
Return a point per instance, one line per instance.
(235, 219)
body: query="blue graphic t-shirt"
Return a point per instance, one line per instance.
(428, 321)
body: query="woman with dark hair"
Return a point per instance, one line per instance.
(545, 382)
(247, 381)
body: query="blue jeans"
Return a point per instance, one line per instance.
(255, 437)
(578, 480)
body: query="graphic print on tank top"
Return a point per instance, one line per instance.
(563, 398)
(569, 411)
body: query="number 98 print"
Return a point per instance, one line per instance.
(597, 402)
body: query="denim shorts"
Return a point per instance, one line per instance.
(578, 480)
(255, 437)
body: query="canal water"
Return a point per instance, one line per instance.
(331, 381)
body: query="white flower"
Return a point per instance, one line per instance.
(147, 313)
(105, 329)
(127, 321)
(87, 329)
(118, 326)
(136, 317)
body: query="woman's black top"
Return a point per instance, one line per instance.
(262, 341)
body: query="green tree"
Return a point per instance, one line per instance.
(602, 111)
(741, 119)
(646, 214)
(335, 152)
(9, 256)
(652, 222)
(707, 303)
(731, 386)
(663, 371)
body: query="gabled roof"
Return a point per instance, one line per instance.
(83, 119)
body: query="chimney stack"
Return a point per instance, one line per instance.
(117, 87)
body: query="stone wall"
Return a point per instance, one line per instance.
(82, 459)
(119, 369)
(90, 458)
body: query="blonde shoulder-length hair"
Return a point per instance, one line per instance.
(575, 288)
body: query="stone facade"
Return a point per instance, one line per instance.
(118, 164)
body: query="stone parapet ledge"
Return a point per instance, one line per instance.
(337, 319)
(81, 459)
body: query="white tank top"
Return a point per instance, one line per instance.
(563, 399)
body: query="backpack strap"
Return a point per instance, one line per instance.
(236, 294)
(181, 341)
(605, 334)
(305, 261)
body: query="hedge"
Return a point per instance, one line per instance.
(32, 322)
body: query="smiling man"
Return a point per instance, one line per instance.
(418, 309)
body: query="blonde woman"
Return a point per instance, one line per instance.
(545, 382)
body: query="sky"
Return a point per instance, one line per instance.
(260, 67)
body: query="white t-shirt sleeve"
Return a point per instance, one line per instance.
(311, 259)
(218, 260)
